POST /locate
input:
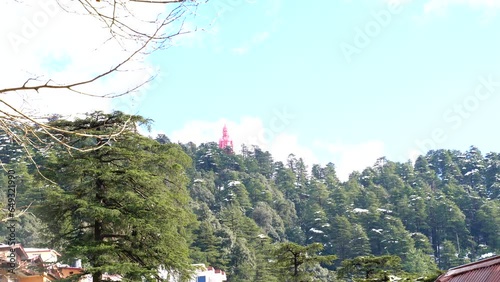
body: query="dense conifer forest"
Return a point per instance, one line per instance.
(138, 201)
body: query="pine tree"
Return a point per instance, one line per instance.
(449, 256)
(360, 243)
(265, 162)
(420, 263)
(370, 268)
(492, 175)
(488, 224)
(207, 245)
(270, 222)
(342, 237)
(264, 268)
(292, 260)
(473, 169)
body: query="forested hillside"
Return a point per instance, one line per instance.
(444, 206)
(247, 212)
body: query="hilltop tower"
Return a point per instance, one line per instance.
(225, 143)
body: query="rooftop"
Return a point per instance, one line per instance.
(487, 270)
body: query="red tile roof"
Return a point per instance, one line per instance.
(17, 247)
(487, 270)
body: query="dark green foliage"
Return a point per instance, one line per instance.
(488, 224)
(162, 139)
(448, 256)
(441, 211)
(292, 260)
(17, 168)
(123, 208)
(270, 222)
(343, 238)
(370, 268)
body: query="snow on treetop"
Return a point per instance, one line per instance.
(358, 210)
(316, 230)
(232, 183)
(471, 172)
(384, 210)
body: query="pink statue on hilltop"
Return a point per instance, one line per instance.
(225, 142)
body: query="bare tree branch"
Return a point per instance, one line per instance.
(18, 215)
(126, 29)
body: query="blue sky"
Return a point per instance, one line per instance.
(412, 85)
(340, 81)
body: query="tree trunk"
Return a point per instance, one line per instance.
(295, 268)
(97, 276)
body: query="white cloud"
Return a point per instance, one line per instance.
(256, 40)
(352, 157)
(446, 3)
(439, 5)
(285, 144)
(241, 50)
(431, 8)
(245, 131)
(414, 154)
(274, 7)
(43, 41)
(251, 130)
(248, 131)
(397, 2)
(260, 37)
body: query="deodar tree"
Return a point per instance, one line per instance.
(294, 262)
(123, 208)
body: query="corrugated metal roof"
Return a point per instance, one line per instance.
(487, 270)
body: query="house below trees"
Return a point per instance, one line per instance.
(19, 264)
